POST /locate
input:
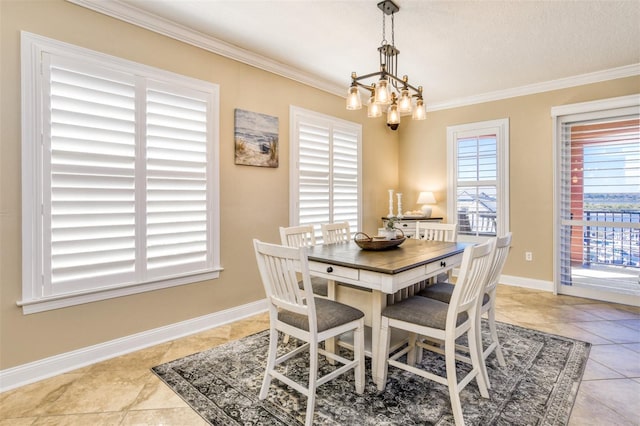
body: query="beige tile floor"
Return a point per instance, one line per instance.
(123, 391)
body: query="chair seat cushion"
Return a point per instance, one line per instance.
(329, 313)
(422, 311)
(318, 285)
(442, 292)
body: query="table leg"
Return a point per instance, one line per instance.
(378, 303)
(330, 344)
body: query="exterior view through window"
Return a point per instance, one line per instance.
(599, 233)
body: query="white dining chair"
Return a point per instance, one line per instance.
(296, 312)
(445, 323)
(447, 232)
(443, 291)
(336, 232)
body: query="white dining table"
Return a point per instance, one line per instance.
(377, 274)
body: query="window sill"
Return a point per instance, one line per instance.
(49, 303)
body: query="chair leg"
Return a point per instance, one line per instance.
(494, 336)
(383, 353)
(271, 361)
(411, 355)
(480, 349)
(313, 378)
(358, 353)
(452, 381)
(477, 360)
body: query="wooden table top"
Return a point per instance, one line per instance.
(410, 254)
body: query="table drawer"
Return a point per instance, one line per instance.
(444, 264)
(335, 271)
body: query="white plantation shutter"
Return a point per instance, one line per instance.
(120, 190)
(314, 175)
(477, 183)
(325, 170)
(345, 177)
(90, 217)
(176, 186)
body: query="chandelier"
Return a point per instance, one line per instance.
(390, 93)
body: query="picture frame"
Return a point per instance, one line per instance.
(256, 139)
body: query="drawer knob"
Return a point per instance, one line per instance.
(443, 263)
(329, 269)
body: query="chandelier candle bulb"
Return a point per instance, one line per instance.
(353, 98)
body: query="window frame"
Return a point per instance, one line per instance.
(34, 50)
(499, 127)
(296, 115)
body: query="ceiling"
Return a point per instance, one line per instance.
(457, 50)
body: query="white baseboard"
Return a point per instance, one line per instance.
(527, 283)
(48, 367)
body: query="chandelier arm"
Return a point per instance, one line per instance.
(373, 74)
(399, 80)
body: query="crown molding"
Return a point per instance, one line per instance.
(157, 24)
(138, 17)
(547, 86)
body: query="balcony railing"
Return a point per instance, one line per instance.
(476, 223)
(611, 245)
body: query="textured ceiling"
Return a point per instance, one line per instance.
(455, 49)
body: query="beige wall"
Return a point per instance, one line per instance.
(254, 200)
(422, 159)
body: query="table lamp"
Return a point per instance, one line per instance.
(426, 198)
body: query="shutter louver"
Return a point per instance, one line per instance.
(176, 186)
(92, 156)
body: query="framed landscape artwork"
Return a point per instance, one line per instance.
(256, 139)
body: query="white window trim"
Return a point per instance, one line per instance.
(501, 128)
(584, 110)
(32, 47)
(294, 114)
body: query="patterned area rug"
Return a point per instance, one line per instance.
(537, 387)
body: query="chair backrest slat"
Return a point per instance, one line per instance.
(474, 270)
(447, 232)
(335, 232)
(298, 236)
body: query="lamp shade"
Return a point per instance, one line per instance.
(426, 198)
(353, 99)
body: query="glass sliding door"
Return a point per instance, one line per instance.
(598, 203)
